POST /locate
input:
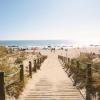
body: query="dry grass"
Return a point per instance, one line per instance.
(88, 58)
(16, 88)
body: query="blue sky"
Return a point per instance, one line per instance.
(50, 19)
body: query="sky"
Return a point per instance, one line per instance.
(50, 19)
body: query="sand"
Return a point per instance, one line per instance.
(52, 78)
(51, 82)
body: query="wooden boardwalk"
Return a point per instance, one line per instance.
(50, 83)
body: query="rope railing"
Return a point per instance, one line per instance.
(11, 78)
(18, 76)
(12, 74)
(81, 75)
(98, 71)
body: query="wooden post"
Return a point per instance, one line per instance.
(34, 69)
(2, 89)
(88, 82)
(30, 69)
(68, 63)
(77, 65)
(38, 63)
(68, 60)
(21, 73)
(76, 72)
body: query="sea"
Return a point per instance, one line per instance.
(37, 43)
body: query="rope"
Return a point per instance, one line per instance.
(10, 75)
(10, 81)
(96, 70)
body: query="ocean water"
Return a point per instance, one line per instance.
(36, 43)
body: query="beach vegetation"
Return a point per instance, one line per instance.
(10, 61)
(78, 72)
(10, 50)
(3, 51)
(12, 73)
(18, 60)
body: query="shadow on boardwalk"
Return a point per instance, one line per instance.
(50, 83)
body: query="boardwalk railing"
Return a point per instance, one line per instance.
(18, 76)
(82, 77)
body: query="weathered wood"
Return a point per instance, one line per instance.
(88, 82)
(38, 63)
(35, 66)
(30, 69)
(21, 73)
(45, 88)
(2, 89)
(68, 60)
(78, 64)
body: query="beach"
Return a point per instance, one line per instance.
(50, 73)
(50, 82)
(50, 50)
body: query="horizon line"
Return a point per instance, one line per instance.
(32, 39)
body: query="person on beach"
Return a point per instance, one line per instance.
(53, 50)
